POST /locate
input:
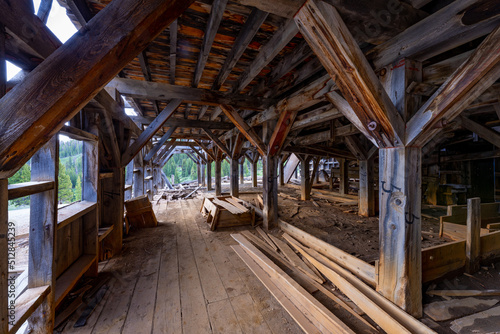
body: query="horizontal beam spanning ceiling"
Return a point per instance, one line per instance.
(186, 123)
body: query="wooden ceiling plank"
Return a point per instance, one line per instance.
(36, 109)
(160, 143)
(150, 131)
(467, 83)
(443, 31)
(173, 50)
(244, 128)
(267, 53)
(163, 91)
(247, 33)
(328, 36)
(216, 13)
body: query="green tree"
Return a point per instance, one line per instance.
(177, 176)
(65, 193)
(22, 175)
(77, 192)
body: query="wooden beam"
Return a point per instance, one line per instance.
(216, 13)
(267, 53)
(315, 117)
(143, 61)
(147, 134)
(186, 123)
(283, 127)
(472, 241)
(454, 25)
(320, 151)
(345, 130)
(482, 131)
(366, 195)
(244, 128)
(37, 108)
(328, 36)
(247, 33)
(202, 157)
(205, 148)
(173, 50)
(469, 81)
(160, 143)
(237, 146)
(217, 142)
(44, 10)
(162, 91)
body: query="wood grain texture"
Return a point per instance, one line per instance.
(472, 240)
(328, 36)
(104, 47)
(400, 264)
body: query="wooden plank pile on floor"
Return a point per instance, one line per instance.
(140, 212)
(321, 260)
(227, 211)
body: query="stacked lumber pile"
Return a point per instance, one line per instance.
(310, 262)
(140, 212)
(227, 211)
(179, 192)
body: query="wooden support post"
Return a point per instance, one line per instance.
(148, 181)
(331, 178)
(305, 179)
(235, 191)
(472, 241)
(138, 175)
(317, 173)
(198, 172)
(218, 177)
(400, 264)
(344, 176)
(366, 189)
(112, 213)
(43, 223)
(281, 166)
(4, 265)
(242, 170)
(270, 192)
(203, 174)
(254, 172)
(129, 180)
(209, 176)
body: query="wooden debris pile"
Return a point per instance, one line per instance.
(302, 265)
(179, 192)
(227, 211)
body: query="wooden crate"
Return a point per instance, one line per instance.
(226, 211)
(140, 212)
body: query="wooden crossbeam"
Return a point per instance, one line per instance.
(247, 33)
(328, 36)
(160, 143)
(169, 146)
(216, 13)
(239, 140)
(150, 131)
(320, 151)
(482, 131)
(281, 130)
(244, 128)
(37, 108)
(267, 53)
(161, 91)
(317, 116)
(454, 25)
(355, 146)
(205, 148)
(217, 142)
(469, 81)
(186, 123)
(199, 154)
(345, 130)
(143, 61)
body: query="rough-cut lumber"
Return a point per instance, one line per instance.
(29, 188)
(388, 316)
(147, 134)
(186, 123)
(463, 293)
(37, 108)
(317, 313)
(244, 128)
(469, 81)
(266, 238)
(363, 270)
(26, 304)
(454, 25)
(328, 36)
(457, 308)
(70, 277)
(472, 246)
(217, 142)
(481, 322)
(281, 297)
(160, 143)
(482, 131)
(283, 127)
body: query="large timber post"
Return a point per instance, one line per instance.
(242, 169)
(218, 173)
(233, 177)
(269, 181)
(254, 169)
(209, 175)
(305, 178)
(138, 171)
(344, 176)
(366, 188)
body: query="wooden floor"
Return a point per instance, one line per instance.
(182, 278)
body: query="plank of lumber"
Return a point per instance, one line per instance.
(388, 316)
(320, 316)
(295, 259)
(26, 304)
(464, 293)
(362, 269)
(70, 277)
(457, 308)
(73, 211)
(29, 188)
(228, 206)
(103, 232)
(299, 276)
(237, 203)
(37, 108)
(78, 134)
(266, 238)
(281, 297)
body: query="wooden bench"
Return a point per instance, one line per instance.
(453, 225)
